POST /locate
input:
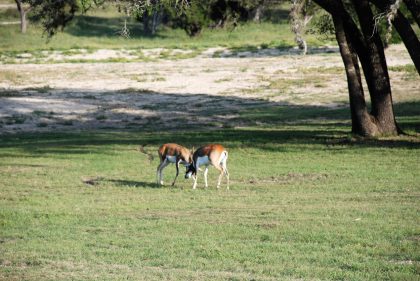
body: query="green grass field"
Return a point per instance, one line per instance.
(307, 202)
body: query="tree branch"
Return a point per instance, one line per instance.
(414, 8)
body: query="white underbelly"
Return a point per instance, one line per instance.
(203, 161)
(171, 159)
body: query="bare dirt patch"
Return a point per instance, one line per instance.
(170, 94)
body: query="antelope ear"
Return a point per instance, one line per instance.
(193, 149)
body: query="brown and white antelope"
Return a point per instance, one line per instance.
(212, 154)
(172, 153)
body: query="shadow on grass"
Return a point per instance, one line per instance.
(92, 26)
(103, 27)
(276, 14)
(130, 183)
(22, 165)
(268, 140)
(193, 120)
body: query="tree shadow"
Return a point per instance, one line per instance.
(95, 26)
(248, 51)
(152, 118)
(276, 14)
(92, 26)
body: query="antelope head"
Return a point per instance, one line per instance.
(191, 171)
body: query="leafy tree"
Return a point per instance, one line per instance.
(152, 16)
(359, 40)
(214, 13)
(194, 18)
(201, 13)
(55, 14)
(51, 13)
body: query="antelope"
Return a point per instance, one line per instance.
(172, 153)
(212, 154)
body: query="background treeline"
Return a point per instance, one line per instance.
(211, 14)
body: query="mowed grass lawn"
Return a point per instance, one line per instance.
(307, 202)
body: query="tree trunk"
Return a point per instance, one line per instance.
(404, 29)
(298, 24)
(258, 13)
(409, 37)
(22, 13)
(369, 48)
(362, 123)
(23, 23)
(414, 8)
(146, 25)
(155, 21)
(376, 72)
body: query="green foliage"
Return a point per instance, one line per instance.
(387, 33)
(194, 19)
(323, 25)
(53, 14)
(216, 13)
(86, 5)
(192, 16)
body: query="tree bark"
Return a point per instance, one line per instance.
(377, 75)
(409, 37)
(22, 13)
(361, 120)
(146, 25)
(414, 7)
(23, 23)
(298, 24)
(369, 48)
(258, 13)
(155, 21)
(404, 29)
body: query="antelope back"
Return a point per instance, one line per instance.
(173, 149)
(212, 151)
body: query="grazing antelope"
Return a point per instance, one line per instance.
(212, 154)
(172, 153)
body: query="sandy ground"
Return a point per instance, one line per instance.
(200, 91)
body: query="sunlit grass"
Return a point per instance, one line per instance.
(307, 201)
